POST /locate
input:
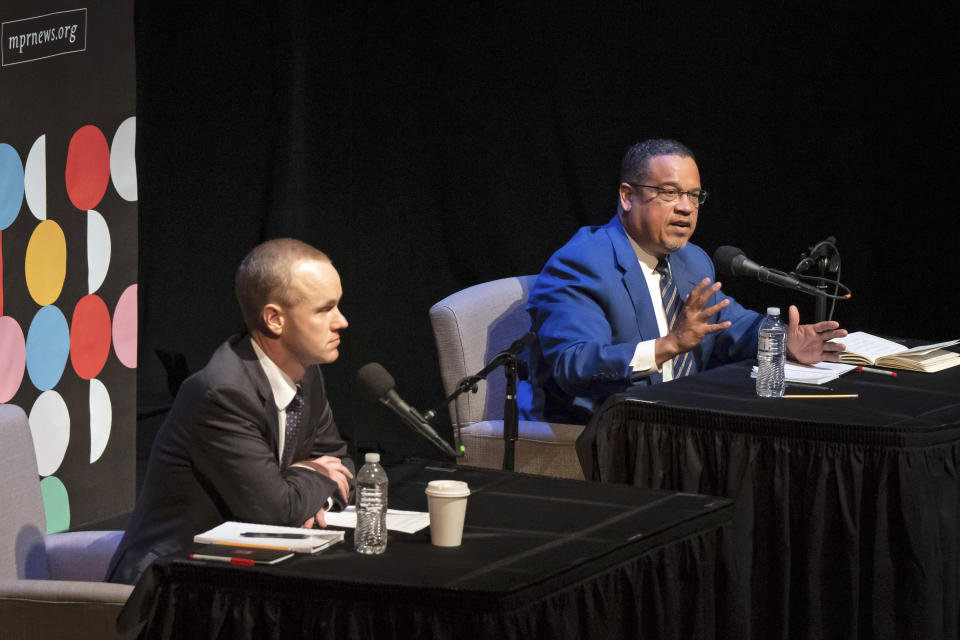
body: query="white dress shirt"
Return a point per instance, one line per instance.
(283, 387)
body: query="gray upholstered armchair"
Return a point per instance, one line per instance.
(51, 586)
(471, 327)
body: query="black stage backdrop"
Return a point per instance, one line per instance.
(429, 150)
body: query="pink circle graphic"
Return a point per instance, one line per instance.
(88, 167)
(14, 360)
(125, 327)
(89, 336)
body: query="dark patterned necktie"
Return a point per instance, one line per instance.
(294, 415)
(672, 304)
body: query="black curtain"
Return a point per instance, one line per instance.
(426, 150)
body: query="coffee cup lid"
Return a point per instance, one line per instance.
(447, 489)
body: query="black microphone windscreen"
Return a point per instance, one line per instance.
(373, 381)
(723, 260)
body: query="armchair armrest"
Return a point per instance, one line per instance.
(61, 609)
(81, 555)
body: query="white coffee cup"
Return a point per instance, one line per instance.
(447, 502)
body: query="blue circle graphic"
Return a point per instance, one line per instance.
(11, 185)
(48, 347)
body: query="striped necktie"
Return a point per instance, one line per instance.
(683, 364)
(294, 415)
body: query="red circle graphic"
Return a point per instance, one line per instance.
(88, 167)
(89, 336)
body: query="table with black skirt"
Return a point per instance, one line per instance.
(846, 510)
(541, 558)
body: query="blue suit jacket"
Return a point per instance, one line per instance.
(590, 307)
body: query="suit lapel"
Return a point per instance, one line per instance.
(633, 280)
(255, 371)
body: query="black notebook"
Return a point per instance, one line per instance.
(239, 555)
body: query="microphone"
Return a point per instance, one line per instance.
(376, 384)
(825, 250)
(822, 248)
(730, 261)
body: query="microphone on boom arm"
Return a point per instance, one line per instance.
(730, 261)
(375, 383)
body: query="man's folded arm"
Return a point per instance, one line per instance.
(232, 454)
(328, 442)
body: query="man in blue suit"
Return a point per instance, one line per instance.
(599, 312)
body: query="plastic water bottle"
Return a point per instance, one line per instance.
(771, 355)
(370, 535)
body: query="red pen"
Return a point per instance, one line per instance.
(243, 562)
(880, 371)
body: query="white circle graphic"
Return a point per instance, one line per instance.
(101, 418)
(123, 163)
(98, 250)
(35, 178)
(50, 426)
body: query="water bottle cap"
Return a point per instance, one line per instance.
(773, 311)
(371, 457)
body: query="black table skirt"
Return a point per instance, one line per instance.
(845, 529)
(534, 573)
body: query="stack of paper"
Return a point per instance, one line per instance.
(819, 373)
(402, 521)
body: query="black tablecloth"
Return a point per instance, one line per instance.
(846, 515)
(541, 558)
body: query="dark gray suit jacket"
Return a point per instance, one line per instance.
(215, 459)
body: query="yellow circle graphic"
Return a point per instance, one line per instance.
(46, 263)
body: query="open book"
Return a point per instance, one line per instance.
(266, 536)
(866, 349)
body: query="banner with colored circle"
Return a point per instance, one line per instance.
(68, 260)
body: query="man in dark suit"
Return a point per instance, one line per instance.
(602, 306)
(251, 436)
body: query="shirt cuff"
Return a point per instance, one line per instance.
(644, 360)
(310, 464)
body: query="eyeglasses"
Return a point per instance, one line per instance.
(672, 194)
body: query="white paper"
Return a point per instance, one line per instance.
(402, 521)
(927, 348)
(819, 373)
(869, 346)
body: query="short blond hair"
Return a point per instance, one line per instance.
(264, 277)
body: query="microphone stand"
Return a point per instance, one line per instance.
(511, 413)
(819, 256)
(820, 308)
(511, 418)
